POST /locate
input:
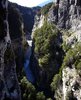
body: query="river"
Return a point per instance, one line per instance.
(27, 68)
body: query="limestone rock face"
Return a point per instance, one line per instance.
(66, 14)
(9, 88)
(71, 84)
(39, 21)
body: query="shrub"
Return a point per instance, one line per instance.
(28, 90)
(66, 47)
(40, 96)
(73, 57)
(78, 67)
(55, 82)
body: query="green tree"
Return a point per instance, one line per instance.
(47, 48)
(55, 82)
(48, 51)
(40, 96)
(28, 90)
(73, 57)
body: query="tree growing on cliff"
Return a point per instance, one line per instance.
(48, 51)
(45, 9)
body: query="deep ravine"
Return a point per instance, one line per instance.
(27, 68)
(40, 51)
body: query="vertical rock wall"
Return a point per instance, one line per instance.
(9, 88)
(66, 14)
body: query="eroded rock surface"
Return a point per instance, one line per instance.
(9, 88)
(66, 14)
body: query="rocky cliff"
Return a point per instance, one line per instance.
(9, 88)
(28, 15)
(66, 15)
(55, 55)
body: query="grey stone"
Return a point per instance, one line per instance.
(7, 62)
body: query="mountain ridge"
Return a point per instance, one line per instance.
(44, 3)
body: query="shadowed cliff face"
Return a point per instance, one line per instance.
(9, 89)
(28, 15)
(3, 13)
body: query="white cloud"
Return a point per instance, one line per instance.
(28, 3)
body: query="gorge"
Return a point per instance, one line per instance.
(28, 71)
(40, 51)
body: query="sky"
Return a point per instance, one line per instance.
(29, 3)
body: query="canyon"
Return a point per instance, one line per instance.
(40, 51)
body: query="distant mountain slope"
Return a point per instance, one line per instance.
(28, 15)
(44, 3)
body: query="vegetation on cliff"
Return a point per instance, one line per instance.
(51, 53)
(72, 57)
(48, 45)
(45, 9)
